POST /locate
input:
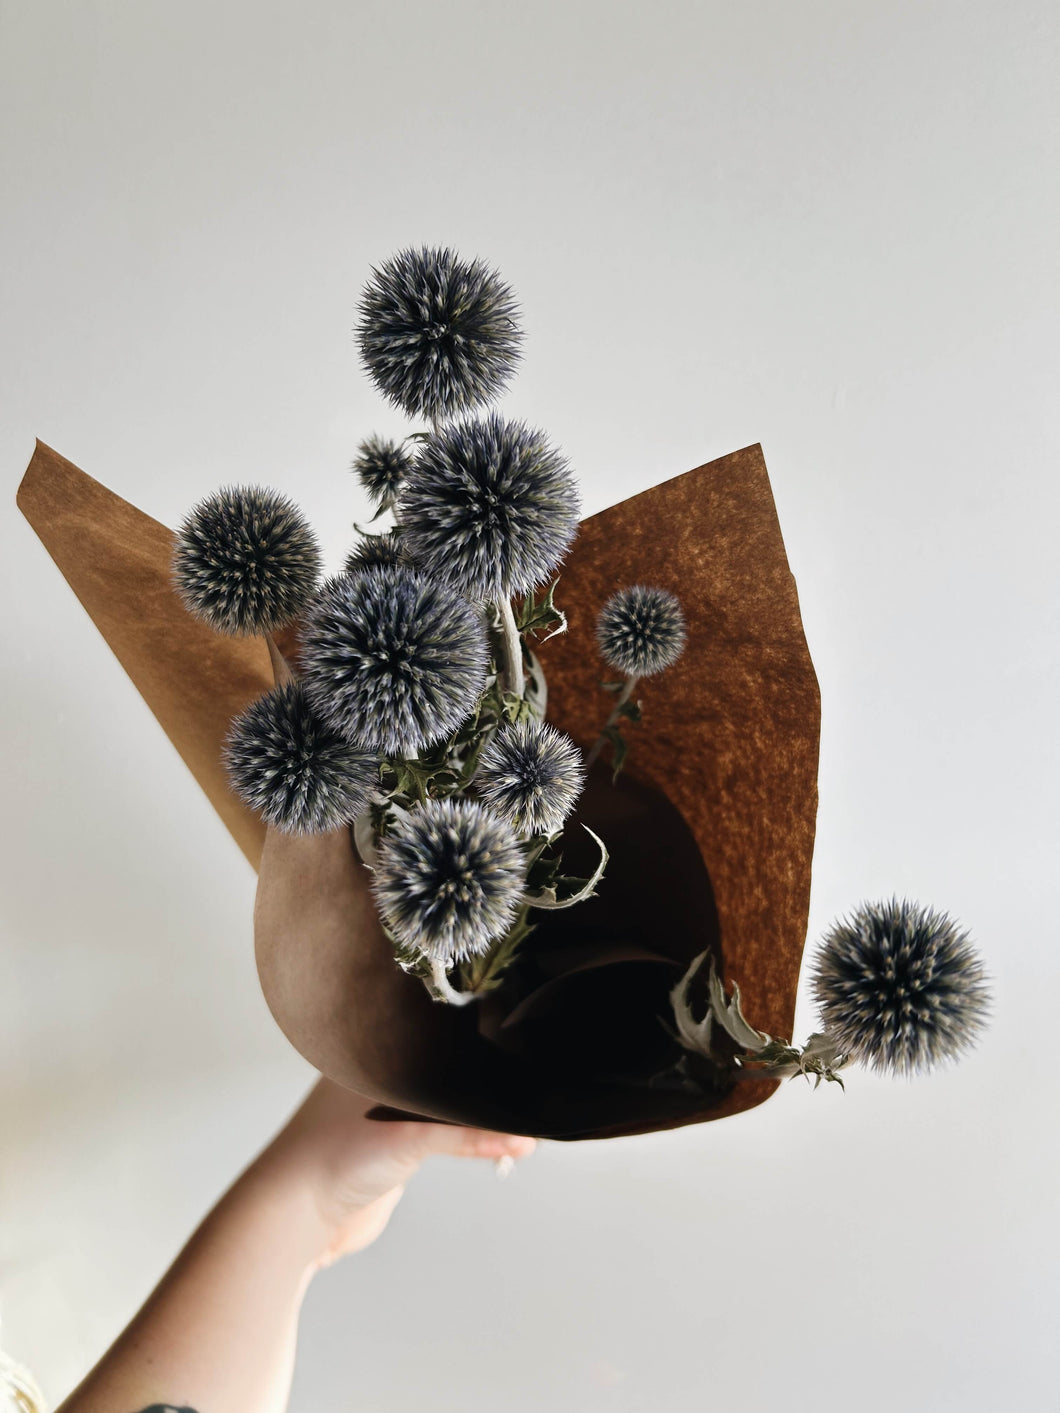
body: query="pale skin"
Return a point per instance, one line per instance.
(219, 1331)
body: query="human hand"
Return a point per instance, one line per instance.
(348, 1171)
(221, 1325)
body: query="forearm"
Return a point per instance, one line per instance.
(218, 1333)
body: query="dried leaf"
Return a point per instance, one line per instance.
(548, 898)
(694, 1035)
(731, 1018)
(537, 615)
(619, 749)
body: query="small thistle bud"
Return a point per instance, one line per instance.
(449, 879)
(641, 631)
(900, 987)
(392, 660)
(246, 561)
(531, 775)
(490, 507)
(381, 466)
(299, 774)
(375, 550)
(438, 335)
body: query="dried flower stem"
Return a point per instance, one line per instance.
(620, 701)
(445, 988)
(513, 678)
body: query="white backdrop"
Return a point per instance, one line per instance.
(827, 226)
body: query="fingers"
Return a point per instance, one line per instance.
(467, 1142)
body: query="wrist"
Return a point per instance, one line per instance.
(287, 1204)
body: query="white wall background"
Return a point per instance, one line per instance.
(828, 225)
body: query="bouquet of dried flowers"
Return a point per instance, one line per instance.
(412, 710)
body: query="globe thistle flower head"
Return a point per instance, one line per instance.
(246, 561)
(449, 879)
(374, 550)
(295, 771)
(900, 988)
(381, 466)
(641, 631)
(438, 335)
(531, 775)
(490, 507)
(392, 660)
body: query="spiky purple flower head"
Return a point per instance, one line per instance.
(449, 879)
(641, 630)
(531, 775)
(438, 335)
(900, 987)
(246, 560)
(375, 550)
(394, 661)
(490, 507)
(293, 769)
(381, 466)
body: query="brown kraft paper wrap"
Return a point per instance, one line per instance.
(710, 826)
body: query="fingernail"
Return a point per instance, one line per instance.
(520, 1147)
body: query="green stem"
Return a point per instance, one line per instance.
(620, 701)
(479, 973)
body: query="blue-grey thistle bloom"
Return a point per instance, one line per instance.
(449, 879)
(531, 775)
(641, 631)
(246, 561)
(490, 507)
(900, 987)
(293, 769)
(381, 466)
(374, 550)
(438, 335)
(394, 661)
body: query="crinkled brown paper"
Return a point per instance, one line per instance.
(710, 827)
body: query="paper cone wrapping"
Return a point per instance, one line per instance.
(710, 826)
